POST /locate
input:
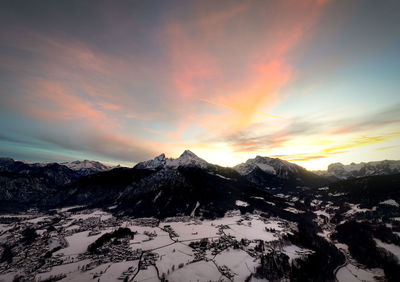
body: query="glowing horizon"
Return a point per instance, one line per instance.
(311, 82)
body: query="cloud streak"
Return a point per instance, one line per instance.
(130, 80)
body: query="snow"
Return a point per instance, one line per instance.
(272, 166)
(238, 261)
(390, 202)
(187, 159)
(116, 270)
(98, 213)
(78, 243)
(148, 275)
(69, 208)
(293, 210)
(253, 279)
(322, 212)
(140, 241)
(221, 176)
(85, 164)
(267, 168)
(394, 249)
(191, 231)
(14, 215)
(355, 209)
(198, 271)
(324, 234)
(362, 169)
(62, 269)
(295, 252)
(5, 227)
(157, 196)
(351, 273)
(173, 255)
(9, 276)
(37, 219)
(342, 246)
(256, 231)
(72, 227)
(241, 203)
(195, 208)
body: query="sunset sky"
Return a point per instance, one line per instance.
(312, 82)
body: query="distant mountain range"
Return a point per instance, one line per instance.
(166, 186)
(340, 203)
(357, 170)
(83, 168)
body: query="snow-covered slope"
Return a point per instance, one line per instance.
(86, 167)
(354, 170)
(272, 166)
(274, 172)
(187, 159)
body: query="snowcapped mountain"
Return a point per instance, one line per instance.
(187, 159)
(274, 166)
(83, 168)
(274, 172)
(260, 171)
(356, 170)
(86, 167)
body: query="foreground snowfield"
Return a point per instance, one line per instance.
(159, 249)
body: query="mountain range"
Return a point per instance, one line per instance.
(357, 170)
(339, 215)
(166, 186)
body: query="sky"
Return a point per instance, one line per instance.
(311, 82)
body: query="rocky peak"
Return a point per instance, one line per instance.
(186, 159)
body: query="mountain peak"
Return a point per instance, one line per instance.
(355, 170)
(160, 157)
(188, 153)
(86, 167)
(186, 159)
(269, 165)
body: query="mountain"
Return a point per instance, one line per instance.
(27, 185)
(158, 187)
(273, 172)
(186, 159)
(164, 187)
(86, 167)
(368, 191)
(357, 170)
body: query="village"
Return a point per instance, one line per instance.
(51, 247)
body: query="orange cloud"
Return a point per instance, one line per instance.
(341, 148)
(299, 157)
(109, 106)
(52, 102)
(210, 63)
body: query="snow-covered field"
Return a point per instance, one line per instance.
(351, 273)
(168, 243)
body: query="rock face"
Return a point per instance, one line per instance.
(164, 187)
(187, 159)
(87, 167)
(274, 172)
(26, 185)
(356, 170)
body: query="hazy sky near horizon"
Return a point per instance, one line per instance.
(312, 82)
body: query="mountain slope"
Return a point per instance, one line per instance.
(86, 167)
(273, 172)
(186, 159)
(165, 187)
(25, 185)
(356, 170)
